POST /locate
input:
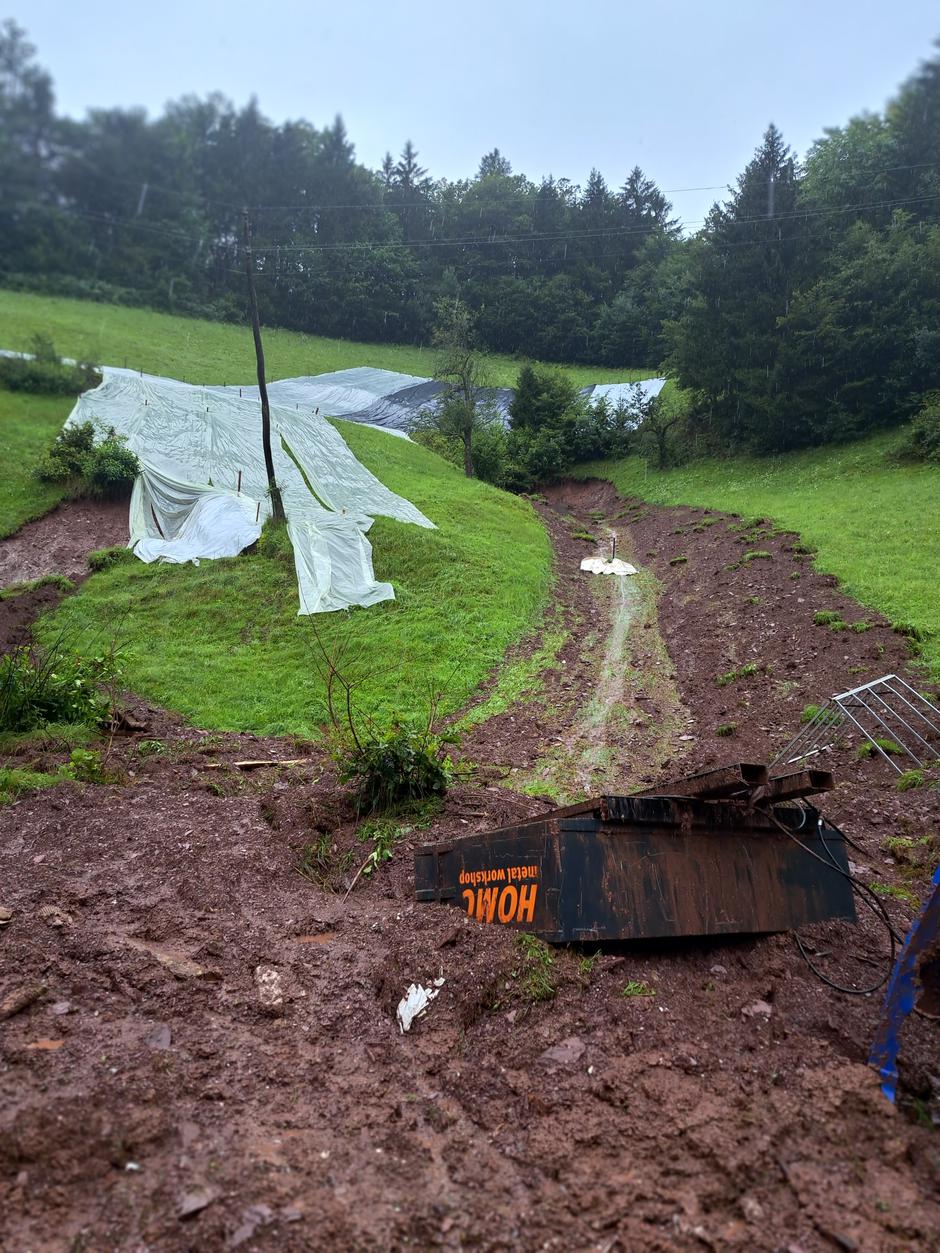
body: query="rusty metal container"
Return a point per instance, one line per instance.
(640, 867)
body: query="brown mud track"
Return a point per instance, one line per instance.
(57, 543)
(150, 1098)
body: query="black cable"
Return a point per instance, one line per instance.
(870, 899)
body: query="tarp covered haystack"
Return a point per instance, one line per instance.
(203, 491)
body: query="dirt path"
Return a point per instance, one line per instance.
(60, 541)
(157, 1095)
(612, 743)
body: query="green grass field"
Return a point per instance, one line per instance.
(223, 645)
(217, 352)
(876, 526)
(28, 424)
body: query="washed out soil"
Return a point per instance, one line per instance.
(57, 543)
(212, 1060)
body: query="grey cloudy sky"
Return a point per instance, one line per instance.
(680, 87)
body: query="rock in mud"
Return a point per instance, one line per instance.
(270, 988)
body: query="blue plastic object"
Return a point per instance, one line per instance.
(903, 990)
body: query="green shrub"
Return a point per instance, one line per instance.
(922, 442)
(85, 766)
(397, 767)
(111, 469)
(39, 686)
(45, 373)
(104, 470)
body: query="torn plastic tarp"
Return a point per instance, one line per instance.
(202, 490)
(603, 565)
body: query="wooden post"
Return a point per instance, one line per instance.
(277, 506)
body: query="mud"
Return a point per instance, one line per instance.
(157, 1096)
(60, 541)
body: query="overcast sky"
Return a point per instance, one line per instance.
(681, 87)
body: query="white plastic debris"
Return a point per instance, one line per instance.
(602, 565)
(415, 1002)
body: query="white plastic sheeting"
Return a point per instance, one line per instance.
(202, 491)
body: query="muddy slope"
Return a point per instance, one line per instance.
(167, 1091)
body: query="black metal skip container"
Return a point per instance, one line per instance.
(631, 867)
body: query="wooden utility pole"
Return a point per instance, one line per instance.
(277, 505)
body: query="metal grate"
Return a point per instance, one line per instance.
(887, 709)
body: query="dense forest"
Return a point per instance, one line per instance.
(806, 309)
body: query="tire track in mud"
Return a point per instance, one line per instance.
(627, 729)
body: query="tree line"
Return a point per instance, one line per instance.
(806, 309)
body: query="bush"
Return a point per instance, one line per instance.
(922, 441)
(39, 686)
(44, 372)
(398, 767)
(104, 471)
(111, 469)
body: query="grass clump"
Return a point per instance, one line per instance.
(757, 554)
(896, 893)
(726, 729)
(636, 987)
(105, 558)
(535, 972)
(746, 671)
(860, 627)
(914, 855)
(908, 780)
(678, 561)
(584, 535)
(752, 600)
(826, 617)
(58, 581)
(870, 748)
(274, 543)
(14, 781)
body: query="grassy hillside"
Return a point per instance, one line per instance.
(874, 525)
(27, 425)
(222, 642)
(217, 352)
